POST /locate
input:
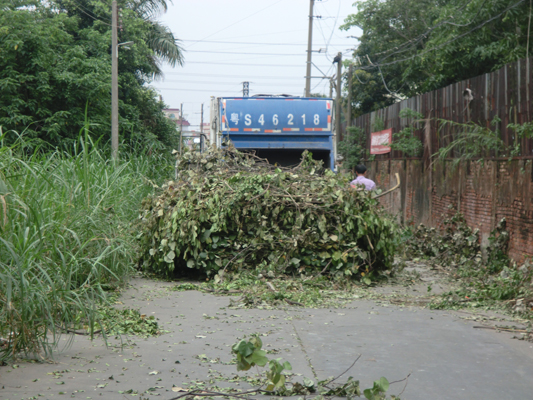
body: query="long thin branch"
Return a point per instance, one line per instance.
(205, 393)
(501, 329)
(230, 261)
(406, 379)
(78, 332)
(349, 368)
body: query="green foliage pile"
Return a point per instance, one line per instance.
(458, 245)
(249, 289)
(127, 322)
(482, 280)
(455, 245)
(231, 210)
(66, 239)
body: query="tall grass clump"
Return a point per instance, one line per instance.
(67, 237)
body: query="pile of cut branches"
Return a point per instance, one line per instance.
(455, 245)
(232, 210)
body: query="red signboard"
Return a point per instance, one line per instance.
(380, 141)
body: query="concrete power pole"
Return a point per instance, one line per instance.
(338, 59)
(309, 50)
(245, 89)
(202, 129)
(181, 127)
(349, 105)
(114, 82)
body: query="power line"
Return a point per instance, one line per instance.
(260, 34)
(379, 65)
(419, 38)
(194, 90)
(332, 31)
(445, 43)
(247, 65)
(223, 83)
(235, 23)
(250, 43)
(86, 12)
(230, 76)
(245, 53)
(202, 90)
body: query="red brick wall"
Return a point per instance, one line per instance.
(484, 191)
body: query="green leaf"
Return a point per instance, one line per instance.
(383, 384)
(244, 348)
(308, 383)
(258, 357)
(295, 261)
(190, 263)
(369, 394)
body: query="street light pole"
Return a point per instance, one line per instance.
(338, 60)
(349, 113)
(114, 82)
(309, 52)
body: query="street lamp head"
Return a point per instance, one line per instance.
(125, 44)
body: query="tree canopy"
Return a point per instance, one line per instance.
(55, 66)
(409, 47)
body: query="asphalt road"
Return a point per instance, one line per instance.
(443, 355)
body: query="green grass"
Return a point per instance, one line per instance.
(67, 237)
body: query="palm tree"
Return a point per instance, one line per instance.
(160, 38)
(165, 46)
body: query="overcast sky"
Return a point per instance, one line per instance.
(263, 42)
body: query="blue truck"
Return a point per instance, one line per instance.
(278, 128)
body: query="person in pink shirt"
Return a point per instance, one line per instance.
(369, 184)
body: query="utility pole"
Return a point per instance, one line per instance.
(245, 89)
(331, 87)
(202, 129)
(338, 59)
(114, 82)
(181, 127)
(349, 106)
(309, 50)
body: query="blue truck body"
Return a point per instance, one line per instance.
(278, 128)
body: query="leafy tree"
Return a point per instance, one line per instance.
(482, 37)
(387, 26)
(410, 47)
(353, 147)
(47, 77)
(55, 63)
